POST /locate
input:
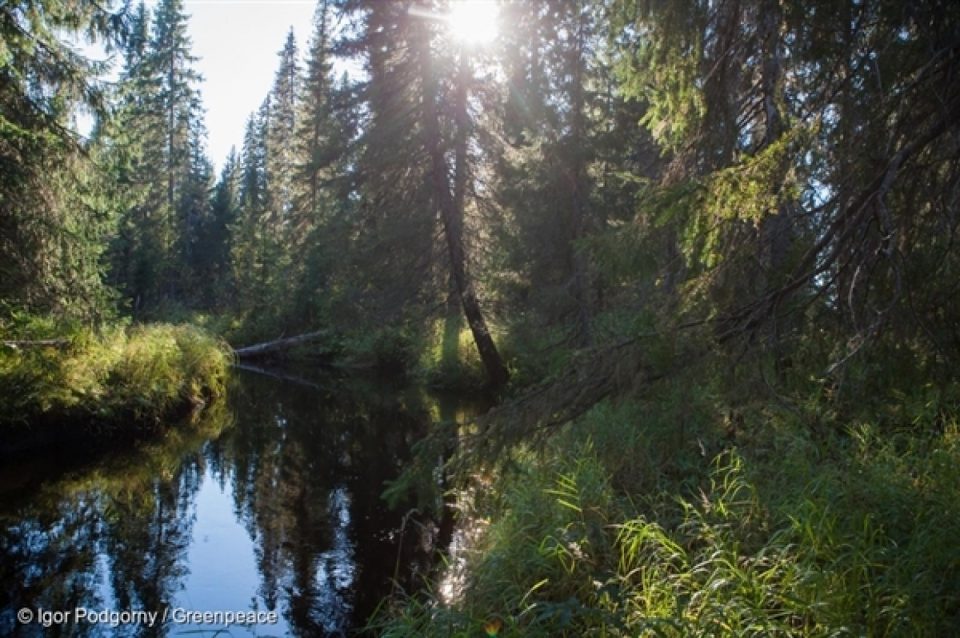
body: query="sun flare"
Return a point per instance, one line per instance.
(473, 21)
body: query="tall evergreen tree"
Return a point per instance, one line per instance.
(177, 99)
(562, 132)
(51, 223)
(316, 129)
(281, 146)
(449, 200)
(395, 256)
(768, 109)
(248, 234)
(134, 136)
(323, 186)
(160, 133)
(213, 254)
(193, 209)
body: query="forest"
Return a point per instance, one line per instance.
(699, 255)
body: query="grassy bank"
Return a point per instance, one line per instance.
(673, 516)
(92, 381)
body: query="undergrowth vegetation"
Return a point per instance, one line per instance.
(669, 516)
(135, 372)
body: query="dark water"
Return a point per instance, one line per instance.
(269, 507)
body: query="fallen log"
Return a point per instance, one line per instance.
(278, 345)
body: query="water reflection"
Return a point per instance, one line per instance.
(271, 503)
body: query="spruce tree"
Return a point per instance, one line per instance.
(169, 65)
(316, 130)
(52, 216)
(280, 142)
(213, 249)
(396, 260)
(248, 233)
(323, 188)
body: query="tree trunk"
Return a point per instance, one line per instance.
(451, 215)
(171, 121)
(578, 195)
(777, 228)
(278, 345)
(453, 322)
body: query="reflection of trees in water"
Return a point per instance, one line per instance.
(146, 535)
(305, 471)
(309, 471)
(134, 508)
(48, 559)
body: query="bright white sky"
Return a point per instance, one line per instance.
(237, 42)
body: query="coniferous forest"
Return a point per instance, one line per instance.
(700, 256)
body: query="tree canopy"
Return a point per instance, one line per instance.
(779, 178)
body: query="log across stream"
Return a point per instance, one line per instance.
(277, 346)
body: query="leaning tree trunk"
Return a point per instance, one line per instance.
(451, 214)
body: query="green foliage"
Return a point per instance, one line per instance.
(662, 65)
(138, 372)
(536, 352)
(755, 187)
(386, 348)
(664, 518)
(159, 174)
(748, 201)
(392, 349)
(53, 221)
(449, 359)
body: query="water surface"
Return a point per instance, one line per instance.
(270, 503)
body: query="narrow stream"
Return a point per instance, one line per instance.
(269, 508)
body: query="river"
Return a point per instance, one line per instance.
(267, 508)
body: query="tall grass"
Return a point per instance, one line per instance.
(139, 373)
(654, 519)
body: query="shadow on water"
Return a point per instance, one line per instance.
(271, 502)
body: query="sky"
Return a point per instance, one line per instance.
(237, 42)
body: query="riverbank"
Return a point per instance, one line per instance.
(439, 354)
(671, 515)
(63, 384)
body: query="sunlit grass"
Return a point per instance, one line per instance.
(139, 372)
(450, 358)
(630, 525)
